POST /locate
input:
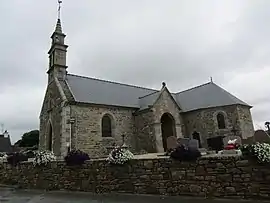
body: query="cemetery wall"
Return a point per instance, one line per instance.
(212, 177)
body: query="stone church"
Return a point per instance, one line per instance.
(92, 114)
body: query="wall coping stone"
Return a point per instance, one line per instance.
(160, 159)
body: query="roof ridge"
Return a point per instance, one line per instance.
(194, 87)
(113, 82)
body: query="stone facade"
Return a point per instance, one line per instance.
(148, 122)
(142, 129)
(245, 123)
(212, 178)
(166, 104)
(144, 122)
(50, 117)
(87, 128)
(205, 122)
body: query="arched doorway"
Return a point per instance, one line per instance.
(196, 136)
(50, 137)
(167, 128)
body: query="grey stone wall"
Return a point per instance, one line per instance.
(165, 104)
(204, 121)
(87, 133)
(148, 122)
(145, 138)
(212, 178)
(51, 112)
(245, 124)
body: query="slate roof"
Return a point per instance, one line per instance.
(90, 90)
(206, 96)
(96, 91)
(5, 144)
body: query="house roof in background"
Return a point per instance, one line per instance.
(5, 144)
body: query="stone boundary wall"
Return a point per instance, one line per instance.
(211, 177)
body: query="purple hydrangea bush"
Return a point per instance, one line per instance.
(76, 157)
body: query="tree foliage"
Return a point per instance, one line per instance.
(29, 139)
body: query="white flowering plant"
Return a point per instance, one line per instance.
(3, 157)
(119, 156)
(260, 151)
(232, 141)
(43, 157)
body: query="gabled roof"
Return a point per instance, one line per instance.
(5, 144)
(91, 90)
(96, 91)
(147, 100)
(206, 96)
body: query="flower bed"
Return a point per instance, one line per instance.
(43, 157)
(119, 156)
(259, 151)
(3, 157)
(76, 157)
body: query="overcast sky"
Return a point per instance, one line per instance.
(142, 42)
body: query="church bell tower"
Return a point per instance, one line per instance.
(57, 53)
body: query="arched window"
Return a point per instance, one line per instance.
(221, 121)
(50, 137)
(106, 126)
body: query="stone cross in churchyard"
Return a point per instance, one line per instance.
(123, 142)
(234, 131)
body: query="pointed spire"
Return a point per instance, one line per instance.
(58, 27)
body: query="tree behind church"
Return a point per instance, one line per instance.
(29, 139)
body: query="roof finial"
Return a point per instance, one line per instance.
(211, 79)
(163, 84)
(59, 8)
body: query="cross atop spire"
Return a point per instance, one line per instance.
(59, 8)
(58, 28)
